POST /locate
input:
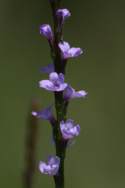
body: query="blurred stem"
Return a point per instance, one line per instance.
(30, 148)
(60, 105)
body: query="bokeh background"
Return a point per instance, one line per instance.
(97, 158)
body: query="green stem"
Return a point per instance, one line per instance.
(59, 180)
(60, 143)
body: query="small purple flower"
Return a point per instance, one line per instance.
(55, 82)
(68, 52)
(69, 130)
(48, 69)
(63, 14)
(70, 93)
(46, 31)
(51, 167)
(45, 114)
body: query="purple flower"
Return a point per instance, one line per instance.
(45, 114)
(63, 14)
(48, 69)
(51, 167)
(46, 31)
(68, 52)
(69, 130)
(70, 93)
(55, 82)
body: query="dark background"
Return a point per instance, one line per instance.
(97, 158)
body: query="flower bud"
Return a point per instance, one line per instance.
(46, 31)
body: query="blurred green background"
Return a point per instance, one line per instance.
(97, 158)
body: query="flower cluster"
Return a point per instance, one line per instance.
(56, 84)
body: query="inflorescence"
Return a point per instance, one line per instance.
(64, 130)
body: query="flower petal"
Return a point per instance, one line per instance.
(75, 130)
(68, 92)
(46, 84)
(42, 166)
(61, 87)
(53, 160)
(61, 78)
(79, 94)
(75, 52)
(53, 76)
(64, 46)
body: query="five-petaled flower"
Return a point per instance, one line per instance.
(69, 52)
(69, 129)
(50, 167)
(71, 93)
(55, 83)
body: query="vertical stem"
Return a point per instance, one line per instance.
(59, 180)
(60, 143)
(31, 139)
(59, 101)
